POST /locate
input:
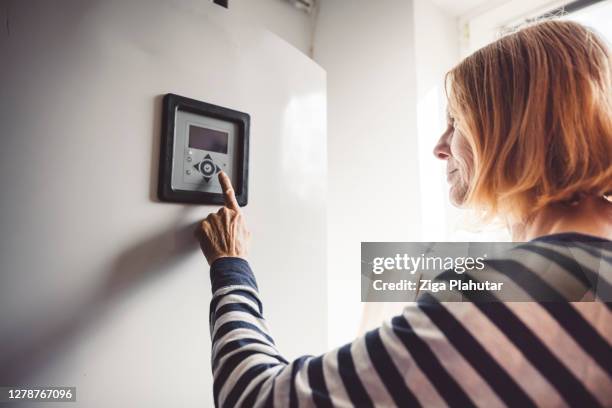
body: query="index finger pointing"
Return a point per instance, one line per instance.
(228, 191)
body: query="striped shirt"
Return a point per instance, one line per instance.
(518, 354)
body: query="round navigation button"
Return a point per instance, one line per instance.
(207, 167)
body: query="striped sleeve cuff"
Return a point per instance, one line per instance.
(230, 271)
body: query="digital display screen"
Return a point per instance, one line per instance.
(207, 139)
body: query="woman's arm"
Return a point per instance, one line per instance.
(432, 354)
(244, 357)
(397, 364)
(249, 371)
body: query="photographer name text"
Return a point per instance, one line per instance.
(436, 286)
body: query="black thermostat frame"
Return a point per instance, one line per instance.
(171, 105)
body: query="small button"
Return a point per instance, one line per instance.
(190, 152)
(189, 158)
(188, 171)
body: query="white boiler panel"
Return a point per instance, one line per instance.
(103, 286)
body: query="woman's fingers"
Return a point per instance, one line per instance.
(224, 232)
(228, 192)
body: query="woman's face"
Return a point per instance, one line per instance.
(455, 149)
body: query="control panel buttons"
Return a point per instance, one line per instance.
(207, 168)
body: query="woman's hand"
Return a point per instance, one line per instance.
(225, 233)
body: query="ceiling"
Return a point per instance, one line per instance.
(462, 7)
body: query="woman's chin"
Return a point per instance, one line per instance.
(457, 196)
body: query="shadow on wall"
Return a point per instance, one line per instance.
(23, 354)
(28, 351)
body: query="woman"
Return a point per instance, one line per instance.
(529, 140)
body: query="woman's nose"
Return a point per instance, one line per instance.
(442, 148)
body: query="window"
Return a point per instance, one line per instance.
(597, 16)
(484, 27)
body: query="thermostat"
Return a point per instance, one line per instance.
(198, 141)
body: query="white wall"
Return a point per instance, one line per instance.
(436, 50)
(103, 287)
(459, 8)
(367, 49)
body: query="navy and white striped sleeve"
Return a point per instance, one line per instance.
(249, 371)
(433, 354)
